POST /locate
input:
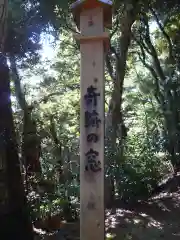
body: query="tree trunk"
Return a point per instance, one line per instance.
(31, 143)
(115, 127)
(165, 93)
(14, 217)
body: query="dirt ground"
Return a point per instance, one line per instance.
(154, 219)
(158, 218)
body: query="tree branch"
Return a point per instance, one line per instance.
(116, 24)
(160, 99)
(154, 55)
(55, 139)
(17, 82)
(164, 33)
(110, 68)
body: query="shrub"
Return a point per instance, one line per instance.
(140, 170)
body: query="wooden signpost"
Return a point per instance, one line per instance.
(92, 16)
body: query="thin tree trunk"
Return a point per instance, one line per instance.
(31, 143)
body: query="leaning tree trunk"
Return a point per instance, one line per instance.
(14, 217)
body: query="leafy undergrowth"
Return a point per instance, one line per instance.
(154, 219)
(68, 231)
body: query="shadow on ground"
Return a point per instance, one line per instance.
(158, 218)
(154, 219)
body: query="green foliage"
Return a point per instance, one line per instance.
(149, 106)
(141, 169)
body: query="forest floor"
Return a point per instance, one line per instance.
(157, 218)
(154, 219)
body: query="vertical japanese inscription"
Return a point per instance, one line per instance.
(92, 163)
(92, 137)
(91, 96)
(92, 120)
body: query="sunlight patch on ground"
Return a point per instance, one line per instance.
(154, 223)
(129, 217)
(110, 236)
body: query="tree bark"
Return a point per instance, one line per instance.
(14, 217)
(115, 127)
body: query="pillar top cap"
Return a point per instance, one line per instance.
(90, 3)
(82, 5)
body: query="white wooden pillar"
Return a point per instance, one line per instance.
(92, 182)
(92, 48)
